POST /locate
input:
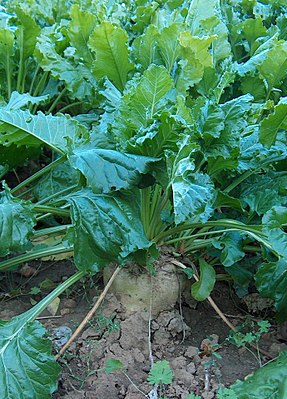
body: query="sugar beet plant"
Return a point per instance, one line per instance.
(176, 135)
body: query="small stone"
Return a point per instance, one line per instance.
(275, 348)
(69, 303)
(65, 311)
(27, 271)
(190, 368)
(191, 351)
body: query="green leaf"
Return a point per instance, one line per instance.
(273, 222)
(169, 44)
(7, 61)
(274, 122)
(202, 288)
(271, 280)
(27, 368)
(232, 248)
(16, 223)
(106, 229)
(145, 48)
(80, 28)
(18, 100)
(77, 77)
(22, 128)
(109, 43)
(60, 178)
(274, 67)
(143, 101)
(253, 29)
(27, 33)
(115, 170)
(267, 382)
(113, 365)
(264, 191)
(160, 373)
(195, 58)
(193, 195)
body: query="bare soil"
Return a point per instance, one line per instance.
(190, 336)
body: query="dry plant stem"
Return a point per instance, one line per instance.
(219, 312)
(89, 315)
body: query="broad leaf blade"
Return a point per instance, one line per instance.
(145, 49)
(16, 224)
(27, 368)
(273, 222)
(106, 229)
(109, 170)
(109, 43)
(202, 288)
(193, 196)
(143, 103)
(271, 281)
(18, 101)
(77, 77)
(80, 28)
(273, 123)
(274, 67)
(267, 382)
(21, 127)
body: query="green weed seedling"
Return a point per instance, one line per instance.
(161, 375)
(242, 339)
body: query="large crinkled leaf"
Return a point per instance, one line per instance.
(264, 191)
(61, 177)
(145, 49)
(274, 67)
(199, 11)
(193, 196)
(109, 43)
(231, 247)
(143, 101)
(16, 224)
(271, 282)
(77, 77)
(106, 229)
(211, 120)
(273, 123)
(252, 30)
(18, 100)
(169, 44)
(7, 60)
(267, 382)
(202, 288)
(273, 222)
(27, 33)
(259, 56)
(80, 28)
(27, 368)
(22, 128)
(195, 58)
(109, 170)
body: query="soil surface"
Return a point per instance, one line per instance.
(190, 336)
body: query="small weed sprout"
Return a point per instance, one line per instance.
(242, 340)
